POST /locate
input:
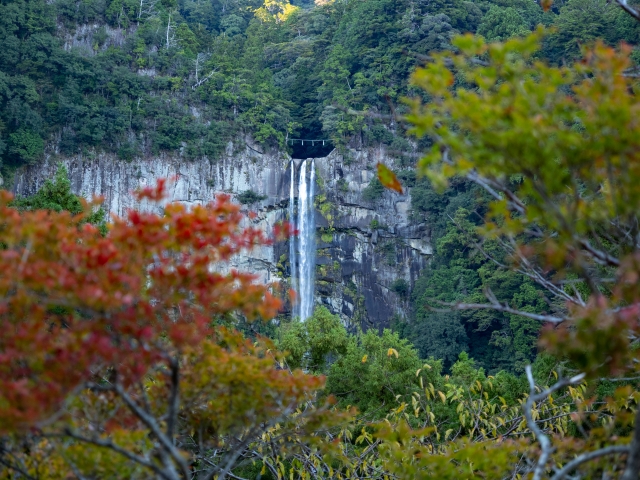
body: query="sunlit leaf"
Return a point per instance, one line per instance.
(388, 179)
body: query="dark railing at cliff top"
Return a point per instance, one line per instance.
(313, 142)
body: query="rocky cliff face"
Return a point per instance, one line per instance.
(368, 252)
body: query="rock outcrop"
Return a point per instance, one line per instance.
(369, 253)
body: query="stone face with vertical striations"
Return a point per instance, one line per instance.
(355, 263)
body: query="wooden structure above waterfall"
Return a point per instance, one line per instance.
(311, 147)
(312, 142)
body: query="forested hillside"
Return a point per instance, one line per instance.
(136, 77)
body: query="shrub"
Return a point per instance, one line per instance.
(401, 287)
(249, 197)
(373, 192)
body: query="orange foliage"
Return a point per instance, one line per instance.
(73, 302)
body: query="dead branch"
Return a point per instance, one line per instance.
(545, 443)
(587, 457)
(497, 306)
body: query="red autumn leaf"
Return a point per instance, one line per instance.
(388, 179)
(124, 299)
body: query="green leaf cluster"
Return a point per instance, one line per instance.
(56, 195)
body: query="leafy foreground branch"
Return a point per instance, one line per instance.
(556, 149)
(115, 362)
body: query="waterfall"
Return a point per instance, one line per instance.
(293, 257)
(309, 253)
(302, 258)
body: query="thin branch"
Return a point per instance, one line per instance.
(18, 469)
(204, 80)
(75, 469)
(174, 398)
(632, 469)
(545, 443)
(239, 450)
(99, 442)
(152, 425)
(265, 461)
(629, 9)
(25, 255)
(235, 476)
(598, 255)
(622, 379)
(494, 189)
(498, 307)
(525, 268)
(145, 398)
(587, 457)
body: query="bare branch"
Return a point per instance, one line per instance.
(601, 257)
(587, 457)
(629, 9)
(75, 469)
(494, 188)
(499, 307)
(203, 80)
(100, 442)
(153, 425)
(174, 398)
(545, 443)
(146, 8)
(241, 446)
(497, 190)
(145, 398)
(18, 468)
(525, 268)
(239, 450)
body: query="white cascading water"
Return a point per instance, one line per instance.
(303, 258)
(310, 253)
(293, 257)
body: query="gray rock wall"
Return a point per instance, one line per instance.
(358, 259)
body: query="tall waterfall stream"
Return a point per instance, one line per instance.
(302, 248)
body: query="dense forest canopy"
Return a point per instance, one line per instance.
(137, 77)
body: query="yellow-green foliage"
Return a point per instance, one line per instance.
(326, 208)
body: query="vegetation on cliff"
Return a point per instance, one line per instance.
(138, 77)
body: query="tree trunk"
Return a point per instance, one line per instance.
(633, 461)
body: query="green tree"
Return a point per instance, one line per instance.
(464, 16)
(56, 195)
(436, 33)
(314, 343)
(440, 335)
(502, 23)
(374, 369)
(581, 23)
(563, 193)
(26, 146)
